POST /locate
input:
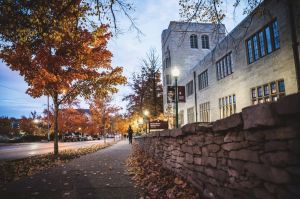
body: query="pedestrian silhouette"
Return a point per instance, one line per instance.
(130, 132)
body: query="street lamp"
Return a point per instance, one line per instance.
(146, 114)
(175, 74)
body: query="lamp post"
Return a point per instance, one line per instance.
(146, 114)
(175, 73)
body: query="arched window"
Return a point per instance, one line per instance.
(194, 41)
(205, 41)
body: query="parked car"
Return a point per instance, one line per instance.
(89, 138)
(70, 137)
(82, 138)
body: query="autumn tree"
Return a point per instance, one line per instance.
(5, 126)
(72, 120)
(146, 87)
(102, 111)
(57, 51)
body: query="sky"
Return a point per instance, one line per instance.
(152, 17)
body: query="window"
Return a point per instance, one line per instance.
(263, 42)
(250, 52)
(255, 45)
(224, 66)
(203, 80)
(190, 88)
(190, 115)
(227, 106)
(276, 35)
(204, 112)
(194, 41)
(205, 41)
(268, 38)
(268, 92)
(168, 80)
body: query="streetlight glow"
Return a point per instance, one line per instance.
(36, 121)
(175, 72)
(146, 112)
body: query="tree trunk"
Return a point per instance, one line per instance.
(56, 105)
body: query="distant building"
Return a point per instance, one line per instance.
(255, 63)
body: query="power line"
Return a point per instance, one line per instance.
(1, 85)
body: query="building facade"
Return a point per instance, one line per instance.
(257, 62)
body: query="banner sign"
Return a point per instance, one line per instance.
(158, 124)
(171, 94)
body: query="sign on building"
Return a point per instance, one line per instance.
(171, 94)
(158, 125)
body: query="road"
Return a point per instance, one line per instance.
(23, 150)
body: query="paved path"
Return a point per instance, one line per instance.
(97, 175)
(23, 150)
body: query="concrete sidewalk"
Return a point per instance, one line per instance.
(97, 175)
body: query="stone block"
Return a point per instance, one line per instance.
(270, 187)
(255, 136)
(244, 154)
(275, 146)
(198, 161)
(213, 148)
(234, 137)
(288, 105)
(233, 121)
(197, 150)
(234, 146)
(204, 151)
(261, 193)
(267, 173)
(165, 133)
(281, 133)
(180, 160)
(209, 161)
(203, 128)
(280, 158)
(209, 139)
(176, 132)
(189, 158)
(187, 149)
(233, 173)
(189, 128)
(261, 115)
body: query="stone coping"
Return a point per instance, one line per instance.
(252, 117)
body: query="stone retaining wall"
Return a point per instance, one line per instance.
(252, 154)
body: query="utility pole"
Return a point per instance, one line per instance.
(48, 119)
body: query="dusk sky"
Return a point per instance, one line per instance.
(152, 16)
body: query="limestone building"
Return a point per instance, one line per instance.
(257, 62)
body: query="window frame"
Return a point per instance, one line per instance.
(224, 67)
(194, 41)
(203, 80)
(190, 88)
(267, 97)
(264, 36)
(205, 41)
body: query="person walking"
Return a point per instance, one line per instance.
(130, 132)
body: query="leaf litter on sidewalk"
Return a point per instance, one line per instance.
(16, 169)
(157, 181)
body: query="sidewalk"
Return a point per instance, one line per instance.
(98, 175)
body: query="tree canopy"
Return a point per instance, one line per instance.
(58, 51)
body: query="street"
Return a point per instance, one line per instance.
(23, 150)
